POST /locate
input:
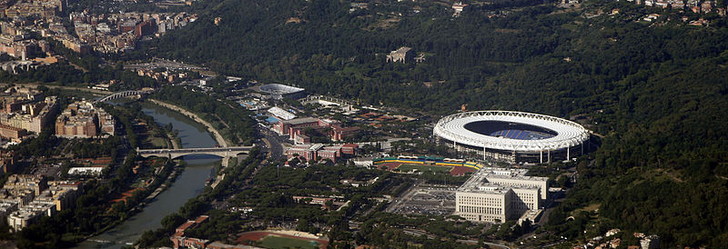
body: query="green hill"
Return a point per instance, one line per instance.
(657, 91)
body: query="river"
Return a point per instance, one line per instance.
(188, 184)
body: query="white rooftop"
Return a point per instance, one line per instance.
(568, 134)
(283, 114)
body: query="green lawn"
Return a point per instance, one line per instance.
(423, 168)
(275, 242)
(157, 142)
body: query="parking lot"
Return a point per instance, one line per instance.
(426, 199)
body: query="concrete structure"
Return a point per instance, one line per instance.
(26, 198)
(125, 94)
(650, 242)
(27, 110)
(88, 171)
(458, 8)
(34, 183)
(7, 207)
(90, 166)
(339, 133)
(286, 127)
(403, 54)
(179, 240)
(216, 151)
(7, 159)
(280, 91)
(316, 152)
(499, 194)
(295, 128)
(12, 133)
(82, 120)
(280, 113)
(511, 136)
(29, 214)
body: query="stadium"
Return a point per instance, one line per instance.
(517, 137)
(279, 91)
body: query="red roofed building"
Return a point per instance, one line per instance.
(316, 152)
(294, 129)
(179, 240)
(338, 133)
(349, 149)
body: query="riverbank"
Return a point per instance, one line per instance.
(160, 182)
(175, 188)
(216, 134)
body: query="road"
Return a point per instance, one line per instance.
(272, 144)
(417, 232)
(490, 244)
(407, 196)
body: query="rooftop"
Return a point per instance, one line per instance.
(300, 121)
(481, 181)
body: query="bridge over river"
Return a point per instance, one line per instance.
(125, 94)
(216, 151)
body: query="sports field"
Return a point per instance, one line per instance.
(280, 240)
(276, 242)
(423, 168)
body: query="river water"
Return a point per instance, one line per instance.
(188, 184)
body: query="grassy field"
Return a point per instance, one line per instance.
(423, 168)
(156, 142)
(275, 242)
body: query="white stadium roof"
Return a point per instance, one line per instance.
(279, 89)
(569, 133)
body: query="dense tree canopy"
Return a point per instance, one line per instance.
(656, 92)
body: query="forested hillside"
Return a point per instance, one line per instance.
(657, 92)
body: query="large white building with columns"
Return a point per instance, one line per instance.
(500, 194)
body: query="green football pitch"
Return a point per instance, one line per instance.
(423, 168)
(275, 242)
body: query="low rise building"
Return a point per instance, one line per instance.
(403, 54)
(90, 166)
(280, 113)
(315, 152)
(339, 133)
(294, 128)
(180, 241)
(458, 8)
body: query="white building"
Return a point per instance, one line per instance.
(403, 54)
(30, 214)
(499, 194)
(90, 171)
(280, 113)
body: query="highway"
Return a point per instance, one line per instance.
(272, 144)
